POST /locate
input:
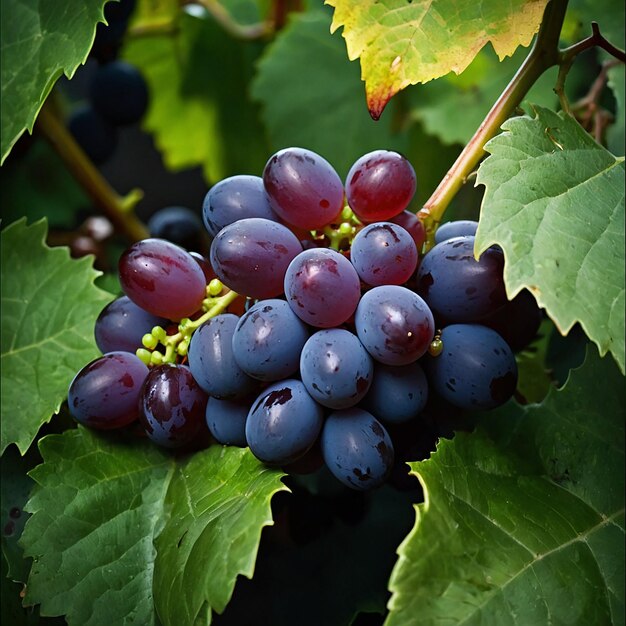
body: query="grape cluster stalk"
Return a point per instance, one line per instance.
(314, 327)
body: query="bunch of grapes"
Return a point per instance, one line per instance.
(313, 325)
(118, 94)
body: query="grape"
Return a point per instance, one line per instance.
(122, 324)
(397, 394)
(178, 225)
(205, 266)
(105, 393)
(394, 324)
(161, 278)
(335, 368)
(475, 370)
(226, 420)
(173, 406)
(212, 361)
(96, 136)
(380, 185)
(235, 198)
(118, 92)
(357, 449)
(268, 340)
(457, 228)
(303, 188)
(456, 286)
(322, 287)
(251, 256)
(384, 254)
(517, 322)
(413, 225)
(283, 423)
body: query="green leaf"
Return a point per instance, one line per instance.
(554, 202)
(523, 520)
(41, 39)
(200, 112)
(404, 43)
(437, 104)
(118, 526)
(312, 96)
(49, 305)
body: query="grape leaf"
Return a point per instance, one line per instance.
(304, 75)
(198, 117)
(554, 201)
(404, 43)
(118, 526)
(49, 305)
(523, 520)
(41, 39)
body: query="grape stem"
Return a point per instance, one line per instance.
(119, 209)
(233, 28)
(543, 55)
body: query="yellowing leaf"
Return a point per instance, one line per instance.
(404, 43)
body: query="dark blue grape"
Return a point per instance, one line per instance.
(105, 393)
(96, 136)
(119, 93)
(178, 225)
(357, 449)
(235, 198)
(335, 368)
(394, 324)
(384, 254)
(173, 406)
(212, 361)
(458, 288)
(283, 423)
(122, 324)
(457, 228)
(226, 420)
(397, 394)
(475, 370)
(268, 340)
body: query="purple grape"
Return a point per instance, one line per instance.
(283, 423)
(397, 394)
(122, 324)
(475, 370)
(251, 256)
(335, 368)
(384, 254)
(268, 340)
(394, 324)
(179, 225)
(413, 225)
(105, 393)
(357, 449)
(303, 188)
(322, 287)
(380, 185)
(96, 136)
(162, 278)
(173, 406)
(226, 420)
(205, 266)
(235, 198)
(458, 288)
(457, 228)
(212, 362)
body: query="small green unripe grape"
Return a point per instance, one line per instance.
(149, 341)
(144, 355)
(182, 348)
(156, 358)
(436, 347)
(345, 228)
(347, 214)
(183, 324)
(159, 333)
(215, 287)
